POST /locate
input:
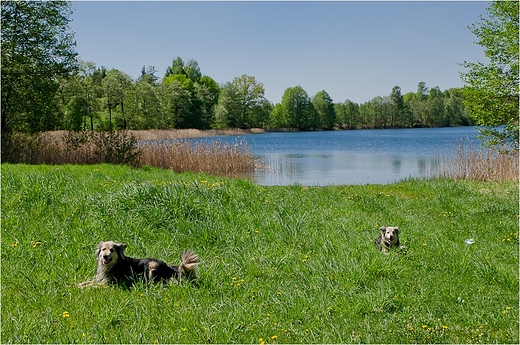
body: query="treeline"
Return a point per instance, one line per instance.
(101, 99)
(45, 87)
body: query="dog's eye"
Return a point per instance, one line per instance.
(112, 250)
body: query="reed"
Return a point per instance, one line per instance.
(61, 147)
(479, 164)
(168, 134)
(209, 157)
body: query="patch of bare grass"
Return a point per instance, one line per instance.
(479, 164)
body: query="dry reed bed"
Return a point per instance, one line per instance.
(214, 157)
(62, 147)
(477, 164)
(168, 134)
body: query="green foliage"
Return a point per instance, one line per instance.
(37, 50)
(279, 264)
(242, 104)
(492, 91)
(325, 115)
(297, 108)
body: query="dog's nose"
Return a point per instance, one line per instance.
(105, 256)
(391, 237)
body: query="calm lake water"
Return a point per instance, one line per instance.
(351, 157)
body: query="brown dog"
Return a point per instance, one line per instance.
(389, 238)
(115, 267)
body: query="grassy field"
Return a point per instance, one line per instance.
(279, 264)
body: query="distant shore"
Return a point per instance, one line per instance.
(158, 134)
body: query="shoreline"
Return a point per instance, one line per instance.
(161, 134)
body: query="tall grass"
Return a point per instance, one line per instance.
(116, 147)
(279, 264)
(480, 164)
(213, 157)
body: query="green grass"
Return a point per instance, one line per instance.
(279, 264)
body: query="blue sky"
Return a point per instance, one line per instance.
(352, 50)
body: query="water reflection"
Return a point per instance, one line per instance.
(351, 157)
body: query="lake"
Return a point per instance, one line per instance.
(376, 156)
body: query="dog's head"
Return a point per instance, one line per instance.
(390, 233)
(108, 253)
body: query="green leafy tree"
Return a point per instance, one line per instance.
(325, 112)
(435, 107)
(177, 67)
(297, 108)
(491, 94)
(347, 114)
(398, 110)
(117, 86)
(242, 104)
(177, 101)
(38, 50)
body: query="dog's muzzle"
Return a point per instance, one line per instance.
(105, 260)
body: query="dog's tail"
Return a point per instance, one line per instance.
(187, 268)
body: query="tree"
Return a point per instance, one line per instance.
(177, 101)
(242, 104)
(435, 107)
(177, 67)
(398, 107)
(117, 86)
(148, 75)
(491, 94)
(324, 106)
(297, 108)
(37, 51)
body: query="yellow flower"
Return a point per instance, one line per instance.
(261, 341)
(65, 314)
(274, 337)
(444, 327)
(37, 243)
(15, 244)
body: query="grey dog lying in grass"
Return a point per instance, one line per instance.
(115, 267)
(389, 238)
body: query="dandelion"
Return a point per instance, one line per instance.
(279, 293)
(65, 314)
(444, 327)
(15, 244)
(274, 337)
(329, 308)
(261, 341)
(37, 243)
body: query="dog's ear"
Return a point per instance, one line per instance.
(98, 249)
(396, 230)
(382, 229)
(120, 247)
